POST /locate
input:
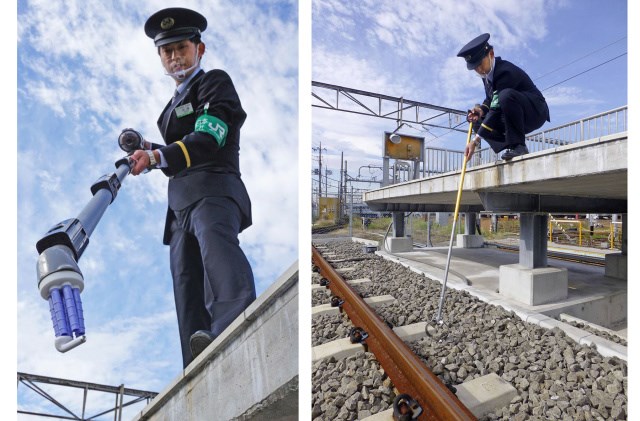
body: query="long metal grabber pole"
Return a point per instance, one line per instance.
(405, 369)
(438, 316)
(60, 280)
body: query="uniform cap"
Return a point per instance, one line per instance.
(475, 50)
(174, 24)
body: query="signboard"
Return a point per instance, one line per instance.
(328, 208)
(409, 148)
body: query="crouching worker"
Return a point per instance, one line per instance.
(513, 105)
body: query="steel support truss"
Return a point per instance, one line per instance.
(401, 110)
(31, 382)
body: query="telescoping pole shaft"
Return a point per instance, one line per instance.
(60, 280)
(103, 196)
(453, 230)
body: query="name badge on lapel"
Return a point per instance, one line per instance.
(184, 110)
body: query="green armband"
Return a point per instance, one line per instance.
(212, 125)
(495, 102)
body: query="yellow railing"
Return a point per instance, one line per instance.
(612, 235)
(579, 223)
(613, 238)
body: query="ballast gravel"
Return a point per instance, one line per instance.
(556, 378)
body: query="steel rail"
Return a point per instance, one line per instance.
(407, 372)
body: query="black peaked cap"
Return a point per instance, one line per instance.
(174, 24)
(475, 50)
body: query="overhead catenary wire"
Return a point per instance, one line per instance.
(580, 58)
(583, 72)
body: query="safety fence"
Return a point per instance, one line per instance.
(439, 160)
(606, 235)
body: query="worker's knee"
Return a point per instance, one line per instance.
(508, 96)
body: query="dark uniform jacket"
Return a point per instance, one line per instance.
(508, 75)
(197, 166)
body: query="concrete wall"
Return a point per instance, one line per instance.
(609, 311)
(250, 372)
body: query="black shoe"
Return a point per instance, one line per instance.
(199, 341)
(517, 151)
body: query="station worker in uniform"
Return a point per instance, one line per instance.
(513, 105)
(208, 203)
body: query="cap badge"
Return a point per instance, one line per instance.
(167, 23)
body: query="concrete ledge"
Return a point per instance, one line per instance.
(342, 271)
(398, 244)
(468, 241)
(568, 318)
(380, 416)
(485, 394)
(343, 348)
(355, 282)
(605, 347)
(359, 281)
(364, 241)
(372, 301)
(534, 286)
(412, 332)
(615, 265)
(607, 311)
(340, 348)
(255, 358)
(481, 396)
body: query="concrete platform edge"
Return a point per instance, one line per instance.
(277, 289)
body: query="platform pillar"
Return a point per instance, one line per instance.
(531, 281)
(615, 264)
(469, 239)
(442, 218)
(398, 243)
(533, 240)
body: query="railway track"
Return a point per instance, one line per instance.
(327, 229)
(554, 377)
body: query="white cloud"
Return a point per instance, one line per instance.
(569, 95)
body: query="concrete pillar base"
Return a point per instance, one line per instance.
(399, 244)
(534, 286)
(468, 241)
(615, 266)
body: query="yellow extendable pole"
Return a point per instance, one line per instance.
(453, 229)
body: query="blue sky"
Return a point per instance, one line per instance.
(408, 49)
(85, 71)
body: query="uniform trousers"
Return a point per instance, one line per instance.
(506, 126)
(212, 278)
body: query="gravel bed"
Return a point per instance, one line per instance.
(320, 297)
(352, 388)
(555, 377)
(329, 327)
(315, 278)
